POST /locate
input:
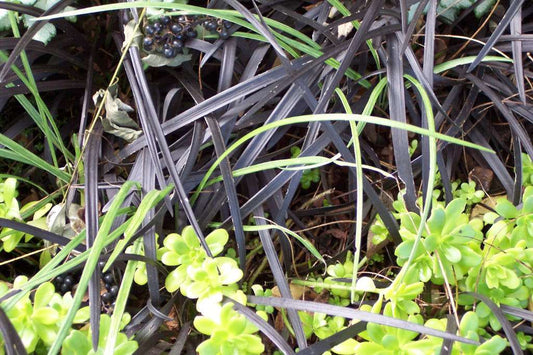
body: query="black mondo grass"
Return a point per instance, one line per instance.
(340, 176)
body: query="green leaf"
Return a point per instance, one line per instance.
(76, 344)
(452, 253)
(483, 8)
(158, 60)
(45, 315)
(437, 221)
(469, 323)
(117, 120)
(43, 295)
(495, 345)
(455, 208)
(216, 240)
(175, 279)
(506, 209)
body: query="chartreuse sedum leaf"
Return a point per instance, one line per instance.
(230, 333)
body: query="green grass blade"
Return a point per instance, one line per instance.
(331, 117)
(307, 244)
(102, 238)
(442, 67)
(151, 199)
(359, 192)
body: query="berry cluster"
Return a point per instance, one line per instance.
(64, 283)
(110, 285)
(168, 35)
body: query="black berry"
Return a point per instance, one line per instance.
(177, 44)
(192, 33)
(69, 281)
(149, 30)
(148, 41)
(175, 28)
(64, 288)
(157, 26)
(165, 20)
(226, 24)
(107, 297)
(210, 26)
(223, 34)
(114, 290)
(108, 278)
(169, 52)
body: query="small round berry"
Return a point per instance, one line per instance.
(210, 26)
(169, 52)
(192, 33)
(59, 279)
(69, 281)
(157, 26)
(107, 297)
(114, 290)
(182, 19)
(64, 288)
(149, 29)
(226, 24)
(177, 44)
(176, 28)
(147, 42)
(108, 287)
(180, 37)
(223, 34)
(102, 263)
(165, 20)
(108, 278)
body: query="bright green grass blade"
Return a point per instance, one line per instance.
(19, 153)
(301, 163)
(102, 238)
(122, 299)
(359, 192)
(149, 201)
(330, 117)
(439, 68)
(307, 244)
(426, 209)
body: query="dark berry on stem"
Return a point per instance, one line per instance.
(211, 26)
(169, 52)
(226, 24)
(175, 28)
(192, 34)
(165, 20)
(177, 44)
(107, 297)
(114, 290)
(65, 288)
(149, 30)
(147, 43)
(108, 278)
(157, 26)
(69, 281)
(223, 34)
